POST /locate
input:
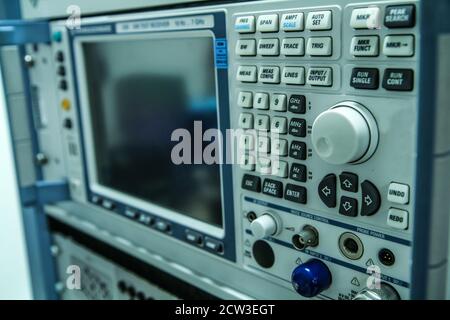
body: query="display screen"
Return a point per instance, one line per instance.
(139, 92)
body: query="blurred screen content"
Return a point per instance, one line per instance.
(140, 91)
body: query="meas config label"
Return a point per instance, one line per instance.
(179, 23)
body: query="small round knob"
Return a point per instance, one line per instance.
(311, 278)
(346, 133)
(385, 292)
(264, 226)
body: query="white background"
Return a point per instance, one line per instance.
(14, 272)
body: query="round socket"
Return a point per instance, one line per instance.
(308, 237)
(351, 246)
(386, 257)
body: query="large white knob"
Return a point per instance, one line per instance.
(264, 226)
(346, 133)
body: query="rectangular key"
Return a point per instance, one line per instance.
(247, 74)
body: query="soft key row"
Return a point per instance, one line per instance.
(278, 125)
(295, 47)
(275, 101)
(290, 75)
(293, 21)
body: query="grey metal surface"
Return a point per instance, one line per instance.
(394, 160)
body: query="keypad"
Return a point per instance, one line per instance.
(268, 155)
(277, 53)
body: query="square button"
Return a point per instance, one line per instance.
(246, 121)
(280, 169)
(261, 101)
(297, 104)
(248, 162)
(279, 147)
(262, 122)
(245, 99)
(298, 172)
(349, 182)
(398, 193)
(279, 125)
(397, 219)
(263, 145)
(298, 150)
(278, 102)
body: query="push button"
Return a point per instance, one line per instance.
(214, 245)
(245, 99)
(348, 207)
(261, 101)
(297, 127)
(365, 46)
(273, 188)
(251, 183)
(246, 47)
(264, 166)
(293, 75)
(269, 47)
(109, 205)
(267, 23)
(262, 122)
(248, 162)
(246, 121)
(318, 76)
(293, 47)
(263, 145)
(403, 16)
(61, 71)
(319, 46)
(279, 125)
(398, 79)
(162, 226)
(278, 102)
(366, 18)
(295, 193)
(63, 85)
(349, 182)
(145, 219)
(371, 199)
(59, 56)
(320, 20)
(327, 190)
(247, 142)
(269, 74)
(298, 150)
(399, 46)
(292, 21)
(365, 78)
(246, 74)
(398, 193)
(397, 219)
(194, 237)
(280, 169)
(298, 172)
(297, 104)
(279, 147)
(245, 24)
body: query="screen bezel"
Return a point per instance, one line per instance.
(85, 107)
(180, 225)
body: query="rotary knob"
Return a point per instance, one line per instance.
(346, 133)
(385, 292)
(264, 226)
(311, 278)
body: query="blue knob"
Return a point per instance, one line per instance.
(311, 278)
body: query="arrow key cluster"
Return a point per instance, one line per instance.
(370, 196)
